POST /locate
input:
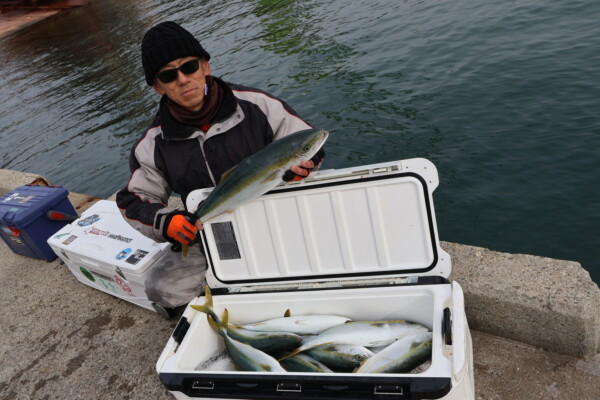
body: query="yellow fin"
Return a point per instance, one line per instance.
(226, 174)
(287, 313)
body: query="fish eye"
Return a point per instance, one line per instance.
(306, 148)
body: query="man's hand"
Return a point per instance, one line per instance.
(181, 226)
(302, 170)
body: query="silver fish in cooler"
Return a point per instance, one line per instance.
(341, 356)
(304, 363)
(269, 342)
(244, 356)
(363, 333)
(301, 324)
(401, 356)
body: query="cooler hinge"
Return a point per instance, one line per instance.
(319, 285)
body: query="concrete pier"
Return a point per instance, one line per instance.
(535, 324)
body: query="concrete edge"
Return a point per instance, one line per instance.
(548, 303)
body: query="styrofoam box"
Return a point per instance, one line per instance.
(358, 242)
(103, 251)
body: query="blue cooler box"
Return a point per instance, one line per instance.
(29, 215)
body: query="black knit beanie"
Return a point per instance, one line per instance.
(166, 42)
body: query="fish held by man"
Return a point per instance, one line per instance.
(259, 173)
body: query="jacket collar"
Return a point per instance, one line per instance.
(172, 129)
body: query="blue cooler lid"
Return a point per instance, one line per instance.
(25, 204)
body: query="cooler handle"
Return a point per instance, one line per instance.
(459, 326)
(54, 215)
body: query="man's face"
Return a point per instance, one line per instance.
(186, 90)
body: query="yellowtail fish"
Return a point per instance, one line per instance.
(303, 363)
(300, 324)
(340, 356)
(269, 342)
(402, 356)
(244, 356)
(259, 173)
(363, 333)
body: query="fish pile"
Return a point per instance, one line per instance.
(321, 343)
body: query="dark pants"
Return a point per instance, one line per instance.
(175, 280)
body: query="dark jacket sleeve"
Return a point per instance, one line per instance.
(143, 200)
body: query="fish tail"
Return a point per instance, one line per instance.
(207, 307)
(212, 323)
(219, 324)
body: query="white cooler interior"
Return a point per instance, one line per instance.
(422, 304)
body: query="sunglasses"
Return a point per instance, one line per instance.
(187, 68)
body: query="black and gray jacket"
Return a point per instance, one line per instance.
(172, 157)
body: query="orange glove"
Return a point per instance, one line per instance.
(180, 227)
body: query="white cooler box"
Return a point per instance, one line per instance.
(103, 251)
(357, 242)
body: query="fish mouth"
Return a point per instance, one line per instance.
(321, 138)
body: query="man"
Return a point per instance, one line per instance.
(204, 126)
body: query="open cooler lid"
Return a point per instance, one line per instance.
(364, 223)
(102, 235)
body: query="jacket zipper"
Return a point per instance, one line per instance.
(212, 178)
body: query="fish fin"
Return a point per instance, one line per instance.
(414, 345)
(226, 174)
(301, 349)
(293, 353)
(287, 313)
(185, 249)
(207, 307)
